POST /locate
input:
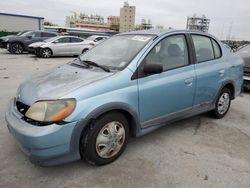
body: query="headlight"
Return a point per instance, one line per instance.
(6, 40)
(51, 111)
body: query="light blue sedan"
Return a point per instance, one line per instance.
(129, 85)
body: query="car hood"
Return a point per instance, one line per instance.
(7, 37)
(58, 82)
(13, 38)
(37, 44)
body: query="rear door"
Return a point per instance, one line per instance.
(210, 69)
(76, 45)
(36, 37)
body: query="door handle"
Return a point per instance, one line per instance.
(189, 81)
(221, 72)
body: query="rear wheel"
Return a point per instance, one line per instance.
(105, 139)
(223, 103)
(16, 48)
(46, 53)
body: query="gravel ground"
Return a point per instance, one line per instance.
(196, 152)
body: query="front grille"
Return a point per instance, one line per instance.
(21, 107)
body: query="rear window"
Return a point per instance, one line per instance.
(217, 50)
(76, 39)
(205, 48)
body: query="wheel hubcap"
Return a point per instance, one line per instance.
(223, 103)
(110, 139)
(46, 53)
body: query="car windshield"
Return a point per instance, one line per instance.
(245, 50)
(118, 51)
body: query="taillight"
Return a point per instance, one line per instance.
(92, 44)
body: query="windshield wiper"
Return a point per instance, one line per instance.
(95, 65)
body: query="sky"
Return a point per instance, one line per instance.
(224, 14)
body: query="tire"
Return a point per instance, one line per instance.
(16, 48)
(105, 139)
(46, 53)
(85, 50)
(222, 104)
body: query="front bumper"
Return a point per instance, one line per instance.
(44, 145)
(3, 44)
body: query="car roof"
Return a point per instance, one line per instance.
(160, 32)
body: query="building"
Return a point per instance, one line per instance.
(16, 22)
(95, 22)
(145, 25)
(127, 18)
(114, 23)
(198, 23)
(85, 21)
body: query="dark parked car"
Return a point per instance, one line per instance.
(4, 40)
(18, 44)
(244, 52)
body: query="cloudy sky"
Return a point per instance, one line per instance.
(223, 13)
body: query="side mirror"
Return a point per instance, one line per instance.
(29, 36)
(55, 42)
(153, 68)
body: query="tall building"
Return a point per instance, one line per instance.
(198, 23)
(127, 18)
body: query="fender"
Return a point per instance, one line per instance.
(223, 84)
(81, 125)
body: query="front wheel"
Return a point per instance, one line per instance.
(16, 48)
(105, 139)
(46, 53)
(222, 104)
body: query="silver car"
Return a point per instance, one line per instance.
(58, 46)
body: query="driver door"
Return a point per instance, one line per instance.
(166, 95)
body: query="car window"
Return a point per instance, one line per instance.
(48, 34)
(203, 48)
(35, 34)
(73, 39)
(63, 40)
(171, 52)
(217, 50)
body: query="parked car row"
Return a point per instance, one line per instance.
(46, 44)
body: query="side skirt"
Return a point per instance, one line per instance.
(154, 124)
